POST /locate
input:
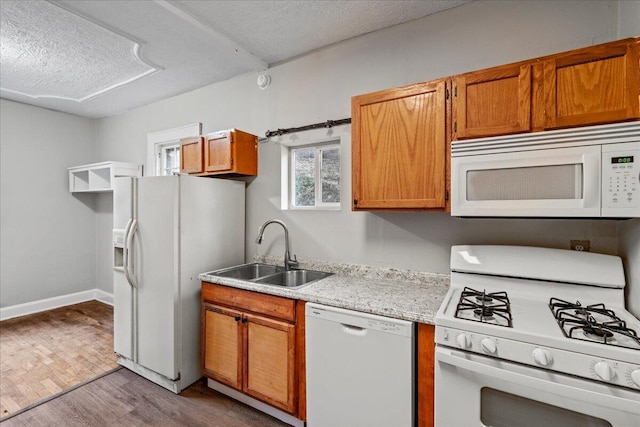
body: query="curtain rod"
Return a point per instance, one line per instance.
(328, 124)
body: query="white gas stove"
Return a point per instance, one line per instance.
(554, 317)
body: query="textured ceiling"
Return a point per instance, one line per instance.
(100, 58)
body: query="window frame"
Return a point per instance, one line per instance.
(317, 175)
(340, 136)
(162, 154)
(161, 140)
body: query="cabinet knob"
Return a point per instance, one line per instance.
(237, 318)
(244, 320)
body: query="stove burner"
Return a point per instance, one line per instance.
(492, 308)
(593, 323)
(596, 333)
(484, 298)
(486, 312)
(582, 312)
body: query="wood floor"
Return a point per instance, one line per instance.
(123, 398)
(57, 369)
(45, 353)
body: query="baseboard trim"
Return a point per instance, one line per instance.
(254, 403)
(55, 302)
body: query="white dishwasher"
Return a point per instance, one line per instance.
(360, 369)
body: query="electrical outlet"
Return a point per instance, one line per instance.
(580, 245)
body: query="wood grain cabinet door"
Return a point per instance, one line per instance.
(399, 148)
(496, 101)
(598, 84)
(270, 362)
(222, 345)
(218, 152)
(191, 154)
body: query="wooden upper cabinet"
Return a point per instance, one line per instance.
(490, 102)
(399, 148)
(598, 84)
(191, 155)
(217, 152)
(228, 152)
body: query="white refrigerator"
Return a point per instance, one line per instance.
(166, 231)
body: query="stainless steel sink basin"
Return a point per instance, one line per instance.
(248, 271)
(293, 278)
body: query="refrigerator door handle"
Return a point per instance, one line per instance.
(124, 246)
(128, 263)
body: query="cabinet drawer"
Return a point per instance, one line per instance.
(268, 305)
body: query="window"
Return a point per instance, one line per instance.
(169, 159)
(163, 149)
(315, 176)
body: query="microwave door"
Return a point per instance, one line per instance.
(556, 182)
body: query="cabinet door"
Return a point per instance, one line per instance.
(222, 345)
(490, 102)
(191, 155)
(594, 85)
(217, 152)
(399, 148)
(270, 362)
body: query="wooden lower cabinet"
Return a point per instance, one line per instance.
(253, 351)
(269, 371)
(222, 345)
(426, 374)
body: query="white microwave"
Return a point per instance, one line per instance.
(589, 172)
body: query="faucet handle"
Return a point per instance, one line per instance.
(292, 262)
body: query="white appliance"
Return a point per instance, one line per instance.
(360, 369)
(167, 230)
(583, 172)
(536, 337)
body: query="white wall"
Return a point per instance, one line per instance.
(628, 18)
(48, 235)
(318, 86)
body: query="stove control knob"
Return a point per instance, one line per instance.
(635, 377)
(488, 346)
(542, 357)
(463, 341)
(604, 371)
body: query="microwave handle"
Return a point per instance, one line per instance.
(450, 358)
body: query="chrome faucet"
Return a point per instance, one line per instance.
(288, 262)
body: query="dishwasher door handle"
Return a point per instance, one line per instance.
(354, 330)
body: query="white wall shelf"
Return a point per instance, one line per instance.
(98, 177)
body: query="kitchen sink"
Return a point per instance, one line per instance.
(248, 271)
(293, 278)
(272, 275)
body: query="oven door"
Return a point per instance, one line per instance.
(550, 182)
(473, 390)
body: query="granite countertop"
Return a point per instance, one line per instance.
(401, 294)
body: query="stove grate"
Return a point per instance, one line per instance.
(579, 322)
(484, 307)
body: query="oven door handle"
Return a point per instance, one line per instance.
(613, 402)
